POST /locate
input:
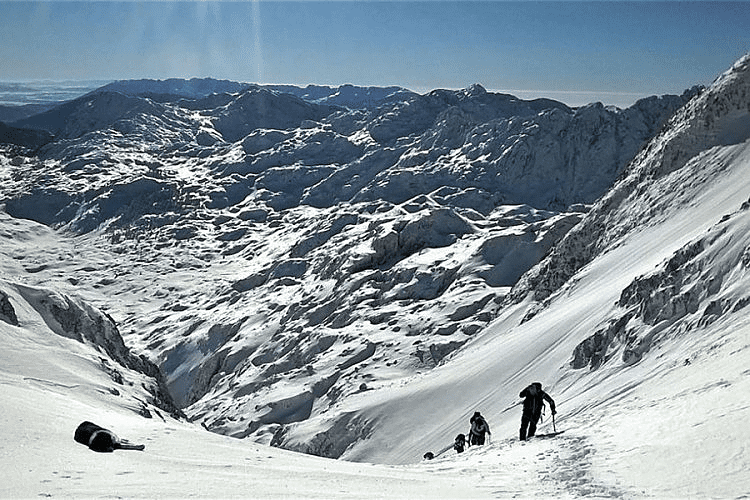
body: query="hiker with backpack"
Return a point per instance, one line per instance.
(460, 444)
(479, 427)
(533, 405)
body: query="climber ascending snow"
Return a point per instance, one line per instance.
(533, 405)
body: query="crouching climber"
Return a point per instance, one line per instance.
(533, 405)
(102, 440)
(460, 444)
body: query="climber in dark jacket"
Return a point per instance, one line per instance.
(479, 427)
(533, 403)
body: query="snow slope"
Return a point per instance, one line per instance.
(645, 348)
(372, 323)
(340, 254)
(51, 383)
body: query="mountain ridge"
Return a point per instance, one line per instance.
(696, 127)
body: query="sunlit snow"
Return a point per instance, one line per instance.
(345, 289)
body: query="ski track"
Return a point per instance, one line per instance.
(542, 467)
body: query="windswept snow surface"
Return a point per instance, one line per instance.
(49, 387)
(358, 285)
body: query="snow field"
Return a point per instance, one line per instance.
(50, 384)
(651, 289)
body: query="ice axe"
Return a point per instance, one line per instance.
(554, 429)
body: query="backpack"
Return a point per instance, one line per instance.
(478, 425)
(103, 440)
(96, 437)
(460, 443)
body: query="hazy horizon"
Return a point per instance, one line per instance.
(575, 52)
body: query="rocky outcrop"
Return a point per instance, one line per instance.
(710, 119)
(331, 443)
(7, 312)
(77, 320)
(700, 284)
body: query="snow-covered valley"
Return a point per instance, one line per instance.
(355, 277)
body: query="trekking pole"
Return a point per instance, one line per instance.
(554, 428)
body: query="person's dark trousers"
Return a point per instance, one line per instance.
(532, 425)
(477, 439)
(528, 422)
(525, 418)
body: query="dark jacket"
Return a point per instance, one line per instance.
(460, 444)
(534, 398)
(97, 438)
(479, 425)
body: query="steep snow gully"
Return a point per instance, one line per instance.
(353, 272)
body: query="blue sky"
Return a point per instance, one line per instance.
(576, 52)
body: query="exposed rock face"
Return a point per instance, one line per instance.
(709, 120)
(79, 321)
(698, 286)
(333, 442)
(7, 313)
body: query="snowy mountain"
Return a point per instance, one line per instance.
(19, 100)
(26, 138)
(356, 282)
(640, 333)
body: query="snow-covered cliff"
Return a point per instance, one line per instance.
(717, 117)
(135, 381)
